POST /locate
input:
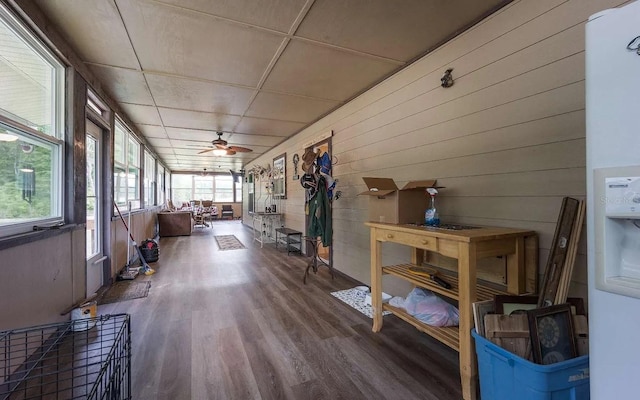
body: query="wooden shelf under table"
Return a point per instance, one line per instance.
(447, 335)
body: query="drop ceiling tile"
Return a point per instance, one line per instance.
(152, 131)
(268, 126)
(198, 120)
(192, 44)
(197, 95)
(142, 114)
(164, 151)
(264, 141)
(192, 135)
(196, 145)
(387, 29)
(159, 143)
(190, 152)
(290, 108)
(272, 14)
(123, 85)
(93, 29)
(311, 70)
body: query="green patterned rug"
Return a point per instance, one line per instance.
(228, 242)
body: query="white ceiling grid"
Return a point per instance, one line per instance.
(260, 71)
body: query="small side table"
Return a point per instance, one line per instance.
(315, 261)
(292, 240)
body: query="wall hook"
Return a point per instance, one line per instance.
(447, 79)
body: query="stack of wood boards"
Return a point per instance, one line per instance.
(511, 332)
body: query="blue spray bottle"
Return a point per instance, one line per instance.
(431, 217)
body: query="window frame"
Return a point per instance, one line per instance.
(192, 193)
(150, 187)
(55, 139)
(129, 137)
(161, 176)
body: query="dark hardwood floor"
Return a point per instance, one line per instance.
(240, 324)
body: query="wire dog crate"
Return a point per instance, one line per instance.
(81, 359)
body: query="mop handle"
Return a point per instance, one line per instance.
(123, 221)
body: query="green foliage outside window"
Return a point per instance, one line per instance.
(25, 194)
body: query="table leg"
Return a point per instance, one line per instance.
(516, 274)
(467, 295)
(376, 281)
(417, 256)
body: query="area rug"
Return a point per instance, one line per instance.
(125, 290)
(355, 299)
(228, 242)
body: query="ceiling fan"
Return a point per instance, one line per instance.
(220, 147)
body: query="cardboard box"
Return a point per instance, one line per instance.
(389, 204)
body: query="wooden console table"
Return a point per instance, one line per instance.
(467, 246)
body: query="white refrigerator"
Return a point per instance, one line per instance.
(613, 201)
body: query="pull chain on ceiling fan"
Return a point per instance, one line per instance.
(220, 147)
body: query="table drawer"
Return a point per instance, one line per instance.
(409, 239)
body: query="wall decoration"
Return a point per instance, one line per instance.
(279, 176)
(552, 338)
(296, 160)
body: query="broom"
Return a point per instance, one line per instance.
(144, 267)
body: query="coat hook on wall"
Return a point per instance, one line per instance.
(447, 79)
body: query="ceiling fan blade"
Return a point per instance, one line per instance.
(240, 149)
(205, 151)
(231, 152)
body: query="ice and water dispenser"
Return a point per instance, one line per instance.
(616, 205)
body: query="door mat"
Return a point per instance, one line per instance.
(228, 242)
(355, 299)
(125, 290)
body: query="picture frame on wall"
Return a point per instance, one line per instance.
(279, 176)
(552, 337)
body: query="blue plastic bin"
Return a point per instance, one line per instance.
(505, 376)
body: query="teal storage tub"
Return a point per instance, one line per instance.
(505, 376)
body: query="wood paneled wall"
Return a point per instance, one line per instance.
(42, 278)
(507, 140)
(143, 226)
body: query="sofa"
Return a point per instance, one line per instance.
(175, 223)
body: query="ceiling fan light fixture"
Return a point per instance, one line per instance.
(219, 152)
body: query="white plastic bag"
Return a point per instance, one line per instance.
(431, 309)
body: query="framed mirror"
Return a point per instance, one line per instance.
(279, 176)
(251, 192)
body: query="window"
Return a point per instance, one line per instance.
(202, 187)
(238, 184)
(126, 168)
(223, 189)
(31, 135)
(219, 188)
(182, 186)
(160, 185)
(149, 179)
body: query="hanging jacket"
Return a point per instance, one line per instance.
(320, 214)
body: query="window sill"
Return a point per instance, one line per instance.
(34, 236)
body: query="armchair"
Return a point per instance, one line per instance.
(227, 211)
